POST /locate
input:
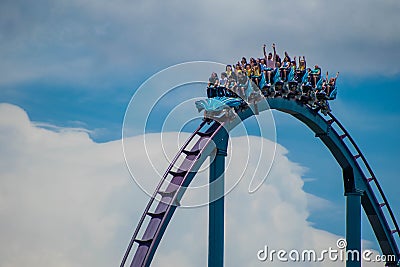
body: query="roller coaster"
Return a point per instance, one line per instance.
(224, 110)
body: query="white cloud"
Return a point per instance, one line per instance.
(67, 201)
(56, 192)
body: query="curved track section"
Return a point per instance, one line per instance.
(171, 189)
(202, 143)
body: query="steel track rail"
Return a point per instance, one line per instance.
(171, 165)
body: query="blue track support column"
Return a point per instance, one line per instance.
(216, 233)
(353, 228)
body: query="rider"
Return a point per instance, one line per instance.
(269, 62)
(212, 85)
(224, 80)
(331, 86)
(213, 80)
(242, 85)
(285, 67)
(230, 72)
(316, 75)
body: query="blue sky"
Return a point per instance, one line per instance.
(76, 64)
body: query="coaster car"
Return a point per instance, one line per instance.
(218, 107)
(266, 89)
(278, 83)
(293, 89)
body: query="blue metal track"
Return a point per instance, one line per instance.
(332, 134)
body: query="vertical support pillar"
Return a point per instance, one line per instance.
(216, 234)
(353, 228)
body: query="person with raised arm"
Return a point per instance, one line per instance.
(331, 87)
(302, 63)
(269, 62)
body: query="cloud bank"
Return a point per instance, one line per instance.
(90, 42)
(67, 201)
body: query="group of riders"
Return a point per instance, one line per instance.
(272, 77)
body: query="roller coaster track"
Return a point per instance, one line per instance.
(201, 144)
